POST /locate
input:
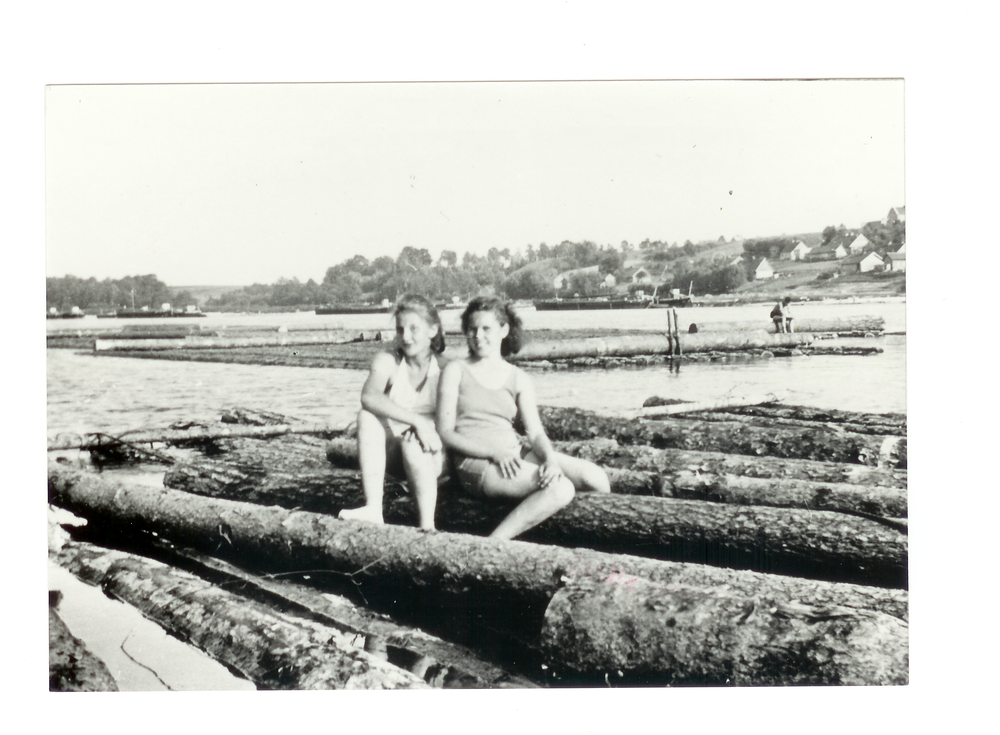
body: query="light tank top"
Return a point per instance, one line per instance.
(402, 393)
(485, 414)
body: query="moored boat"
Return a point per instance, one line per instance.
(590, 304)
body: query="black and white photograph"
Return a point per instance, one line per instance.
(477, 385)
(560, 359)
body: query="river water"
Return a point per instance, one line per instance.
(88, 393)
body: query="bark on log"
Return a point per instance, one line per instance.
(826, 444)
(883, 423)
(817, 544)
(610, 453)
(634, 631)
(652, 344)
(72, 666)
(440, 663)
(436, 575)
(680, 481)
(273, 650)
(193, 435)
(851, 325)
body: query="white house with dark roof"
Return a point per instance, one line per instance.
(796, 251)
(862, 262)
(763, 270)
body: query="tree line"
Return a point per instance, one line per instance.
(65, 292)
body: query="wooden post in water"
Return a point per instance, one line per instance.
(677, 334)
(670, 336)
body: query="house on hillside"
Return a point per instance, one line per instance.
(762, 270)
(862, 263)
(642, 276)
(896, 261)
(896, 214)
(563, 278)
(837, 248)
(858, 244)
(796, 251)
(738, 260)
(609, 281)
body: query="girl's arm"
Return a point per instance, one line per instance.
(527, 406)
(447, 413)
(375, 401)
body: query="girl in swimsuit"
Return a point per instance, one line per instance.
(478, 400)
(396, 421)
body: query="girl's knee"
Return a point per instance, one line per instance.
(597, 480)
(561, 492)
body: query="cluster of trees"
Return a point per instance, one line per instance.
(111, 294)
(358, 279)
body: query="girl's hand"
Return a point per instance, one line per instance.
(509, 464)
(427, 436)
(548, 472)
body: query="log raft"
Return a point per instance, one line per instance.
(442, 574)
(820, 443)
(817, 544)
(648, 471)
(864, 324)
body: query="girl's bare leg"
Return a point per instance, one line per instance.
(584, 474)
(422, 472)
(537, 504)
(371, 455)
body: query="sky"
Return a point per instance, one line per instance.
(233, 184)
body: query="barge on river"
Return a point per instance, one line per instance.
(351, 309)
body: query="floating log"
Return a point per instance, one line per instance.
(437, 575)
(662, 409)
(442, 664)
(192, 435)
(653, 344)
(199, 342)
(678, 481)
(887, 423)
(273, 650)
(846, 326)
(72, 666)
(817, 544)
(821, 443)
(667, 462)
(780, 415)
(765, 422)
(634, 631)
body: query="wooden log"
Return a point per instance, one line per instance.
(193, 435)
(845, 326)
(72, 666)
(679, 481)
(653, 344)
(611, 454)
(440, 663)
(655, 409)
(634, 631)
(436, 575)
(826, 444)
(202, 342)
(817, 544)
(886, 423)
(274, 650)
(764, 422)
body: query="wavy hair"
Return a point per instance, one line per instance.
(505, 314)
(419, 305)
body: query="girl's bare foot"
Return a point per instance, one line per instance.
(365, 513)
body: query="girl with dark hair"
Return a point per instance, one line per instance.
(479, 399)
(396, 421)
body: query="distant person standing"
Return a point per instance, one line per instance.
(781, 315)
